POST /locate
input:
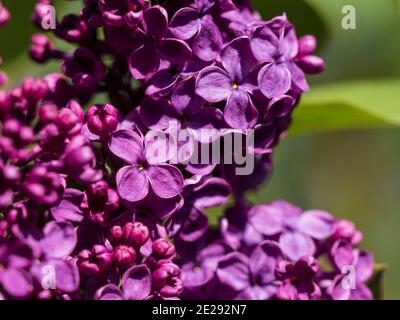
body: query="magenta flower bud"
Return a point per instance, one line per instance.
(5, 103)
(115, 234)
(135, 234)
(67, 121)
(307, 45)
(42, 186)
(94, 263)
(102, 119)
(163, 249)
(165, 279)
(11, 127)
(345, 229)
(41, 48)
(124, 257)
(11, 173)
(21, 135)
(101, 197)
(4, 16)
(50, 138)
(48, 113)
(40, 12)
(311, 64)
(20, 102)
(18, 213)
(34, 89)
(72, 28)
(100, 200)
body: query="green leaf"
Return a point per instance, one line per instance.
(348, 105)
(376, 281)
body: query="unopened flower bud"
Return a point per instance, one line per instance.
(34, 89)
(95, 262)
(115, 234)
(5, 103)
(48, 113)
(163, 249)
(124, 257)
(311, 64)
(102, 119)
(135, 234)
(307, 45)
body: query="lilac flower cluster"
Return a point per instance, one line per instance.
(90, 208)
(276, 251)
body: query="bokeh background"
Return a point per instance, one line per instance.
(343, 152)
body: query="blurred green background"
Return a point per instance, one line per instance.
(343, 151)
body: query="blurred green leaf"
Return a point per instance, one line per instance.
(348, 105)
(376, 281)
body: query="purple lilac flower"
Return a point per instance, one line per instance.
(251, 277)
(197, 22)
(297, 231)
(298, 279)
(233, 84)
(145, 169)
(154, 45)
(250, 265)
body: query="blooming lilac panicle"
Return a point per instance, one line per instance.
(260, 265)
(105, 195)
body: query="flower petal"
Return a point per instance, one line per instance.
(213, 84)
(59, 239)
(298, 76)
(174, 50)
(212, 193)
(233, 271)
(296, 245)
(264, 44)
(144, 61)
(263, 261)
(63, 274)
(238, 59)
(127, 145)
(194, 226)
(17, 283)
(132, 183)
(157, 114)
(185, 23)
(316, 223)
(69, 207)
(109, 292)
(240, 113)
(208, 42)
(166, 180)
(274, 80)
(155, 21)
(364, 266)
(136, 283)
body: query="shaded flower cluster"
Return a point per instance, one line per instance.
(276, 251)
(90, 208)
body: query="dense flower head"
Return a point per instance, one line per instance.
(106, 198)
(296, 256)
